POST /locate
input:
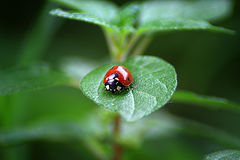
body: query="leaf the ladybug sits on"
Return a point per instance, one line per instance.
(154, 82)
(117, 78)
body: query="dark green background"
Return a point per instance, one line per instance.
(206, 63)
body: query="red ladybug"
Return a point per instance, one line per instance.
(117, 78)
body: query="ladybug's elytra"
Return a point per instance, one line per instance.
(117, 78)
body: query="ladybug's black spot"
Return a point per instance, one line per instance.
(113, 85)
(128, 79)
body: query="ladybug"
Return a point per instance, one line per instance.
(117, 78)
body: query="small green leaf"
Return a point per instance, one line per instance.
(183, 15)
(101, 9)
(172, 24)
(205, 101)
(97, 12)
(102, 13)
(224, 155)
(83, 17)
(154, 82)
(29, 79)
(127, 17)
(201, 9)
(124, 21)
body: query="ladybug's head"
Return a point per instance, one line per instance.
(113, 85)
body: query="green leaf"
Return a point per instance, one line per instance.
(97, 12)
(28, 79)
(154, 82)
(224, 155)
(211, 133)
(172, 24)
(101, 9)
(124, 20)
(205, 101)
(83, 17)
(149, 16)
(103, 13)
(182, 15)
(127, 17)
(201, 9)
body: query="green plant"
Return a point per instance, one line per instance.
(226, 154)
(128, 31)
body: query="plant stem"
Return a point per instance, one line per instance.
(110, 42)
(142, 45)
(117, 148)
(123, 51)
(119, 57)
(131, 43)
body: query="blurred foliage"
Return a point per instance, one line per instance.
(61, 123)
(29, 79)
(224, 155)
(187, 97)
